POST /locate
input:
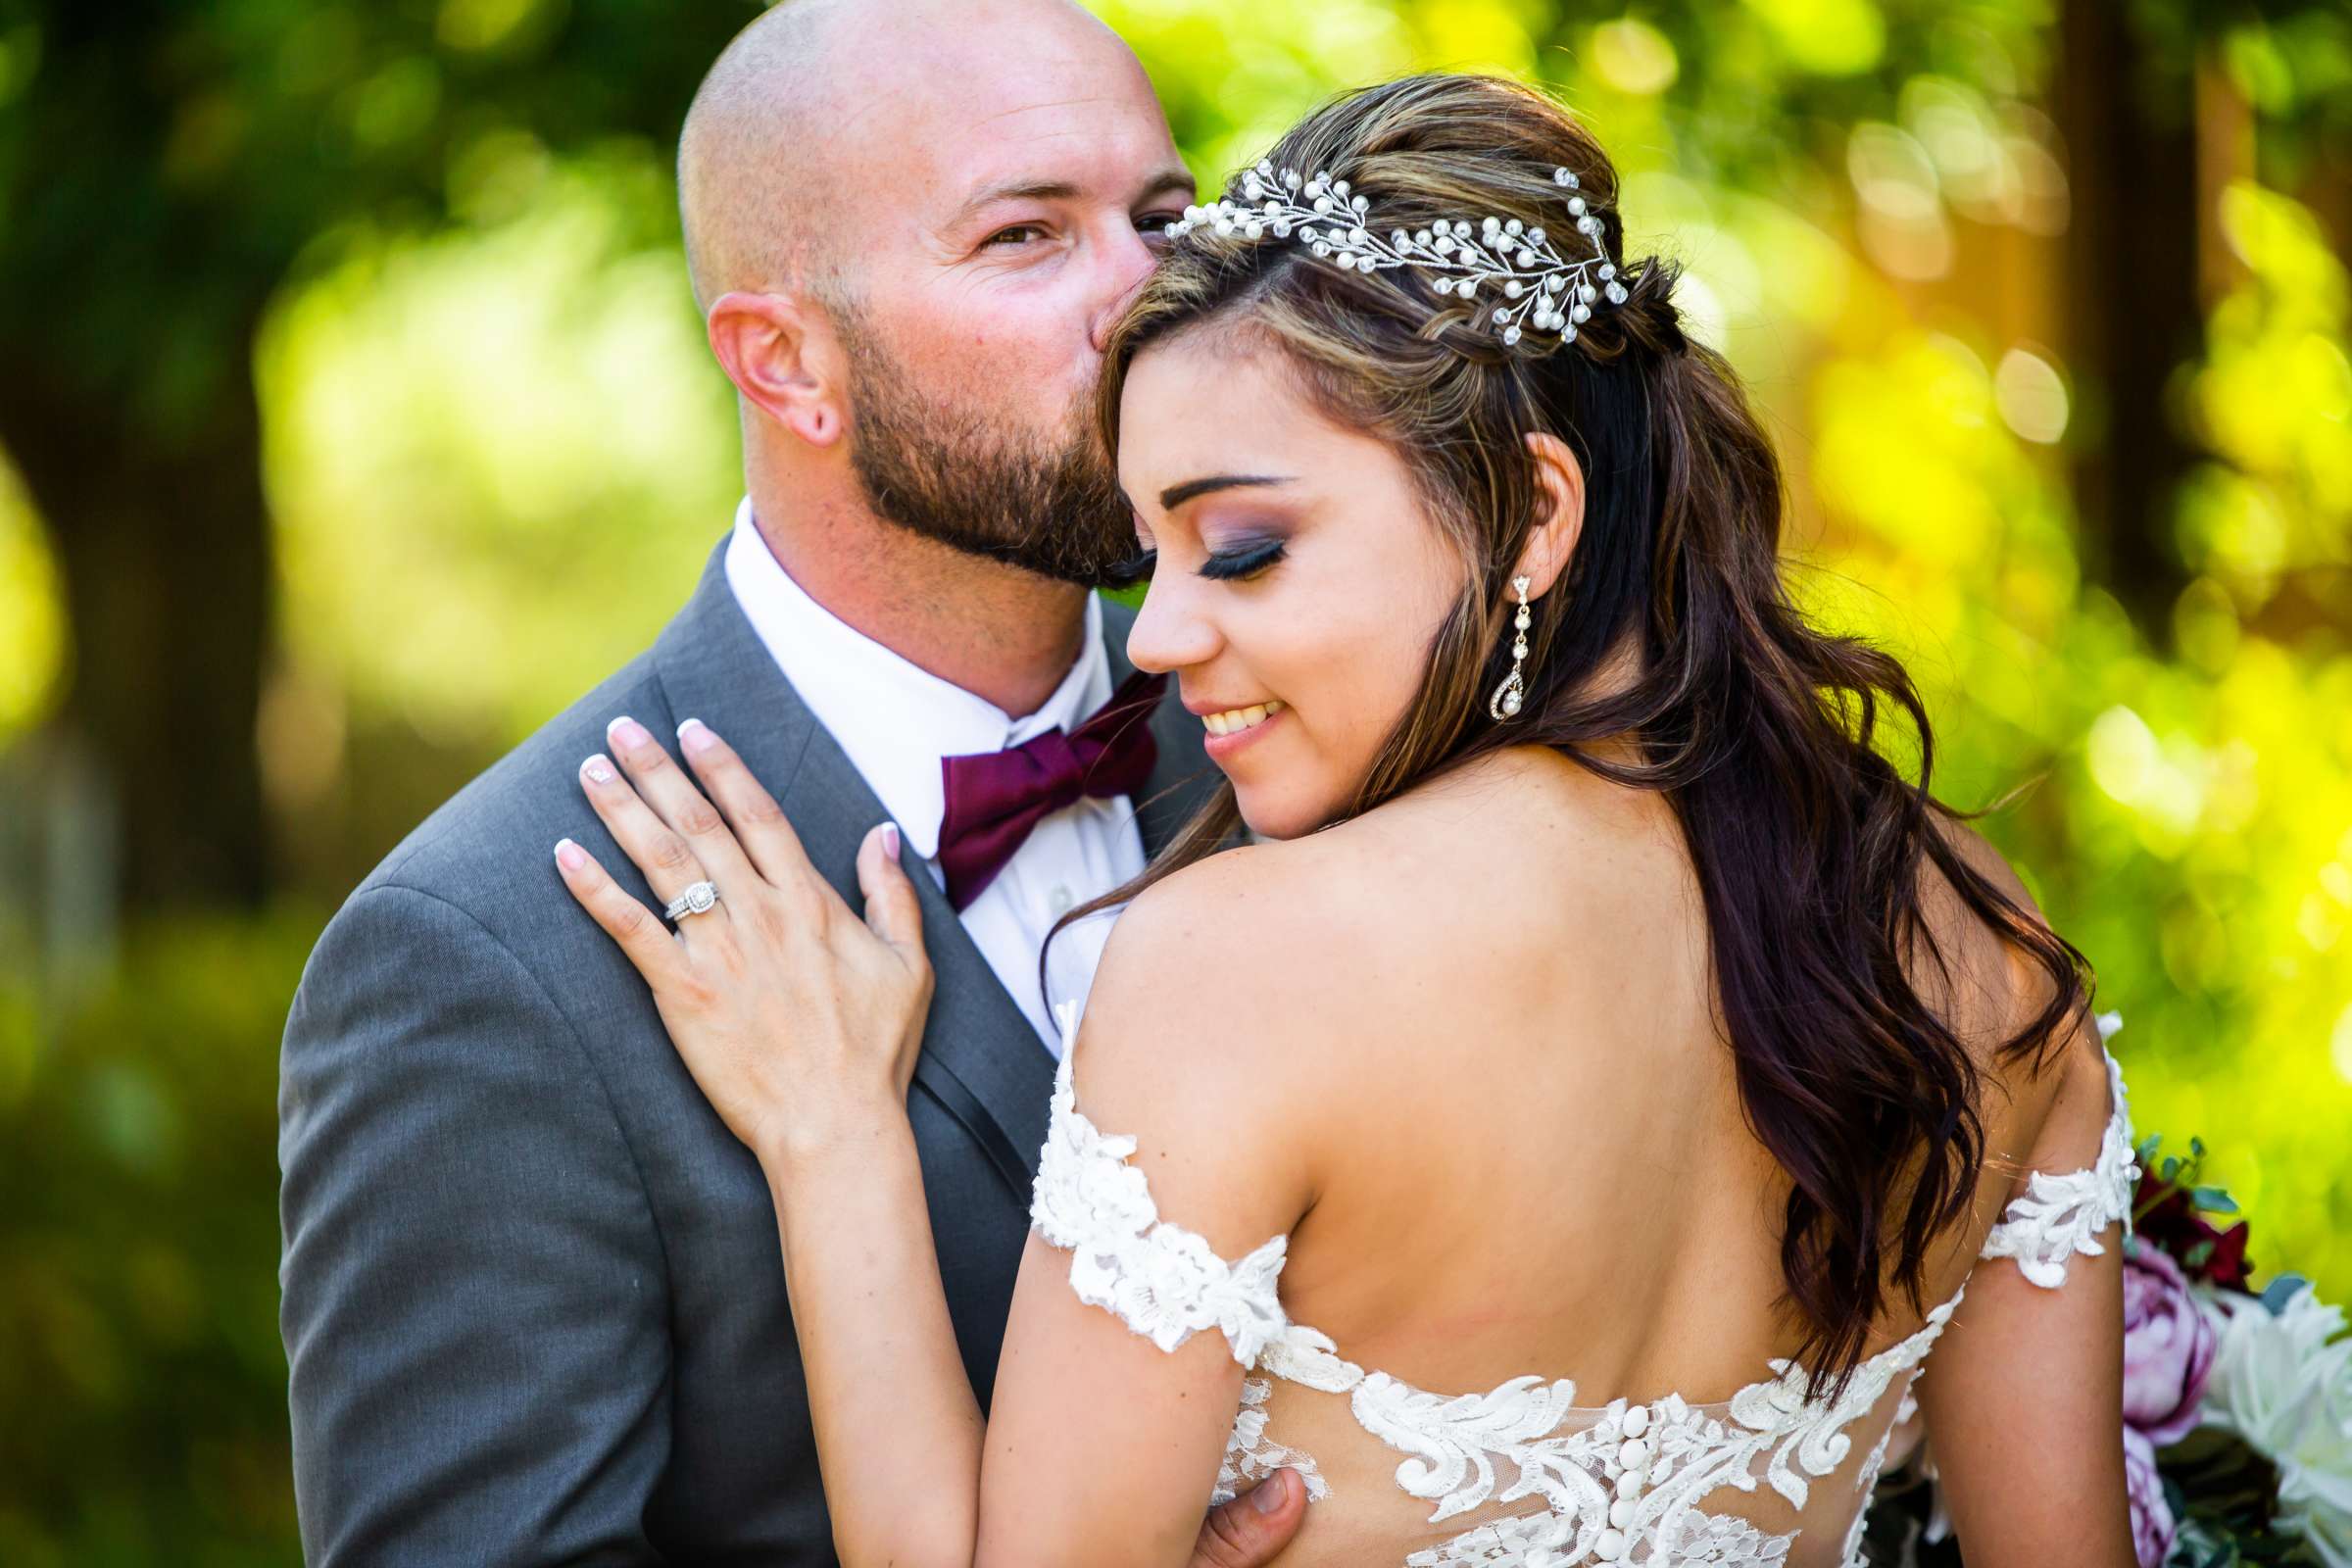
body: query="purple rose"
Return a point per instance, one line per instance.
(2152, 1525)
(2168, 1347)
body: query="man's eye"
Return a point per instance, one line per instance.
(1156, 223)
(1017, 234)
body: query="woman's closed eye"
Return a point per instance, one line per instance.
(1230, 566)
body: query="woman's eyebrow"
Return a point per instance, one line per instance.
(1176, 495)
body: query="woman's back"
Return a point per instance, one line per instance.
(1536, 1076)
(1537, 1194)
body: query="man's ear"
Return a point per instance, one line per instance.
(1553, 541)
(785, 359)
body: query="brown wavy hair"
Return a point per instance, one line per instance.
(1766, 735)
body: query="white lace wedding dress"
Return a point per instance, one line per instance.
(1520, 1474)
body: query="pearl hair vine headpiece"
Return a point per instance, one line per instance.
(1540, 289)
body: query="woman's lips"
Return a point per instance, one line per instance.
(1222, 747)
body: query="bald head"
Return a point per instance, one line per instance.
(744, 157)
(911, 223)
(797, 113)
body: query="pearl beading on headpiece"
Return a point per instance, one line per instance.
(1541, 291)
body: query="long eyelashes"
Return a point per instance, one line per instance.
(1230, 566)
(1136, 569)
(1235, 565)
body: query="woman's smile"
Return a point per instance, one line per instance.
(1230, 729)
(1295, 554)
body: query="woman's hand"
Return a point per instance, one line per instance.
(799, 1020)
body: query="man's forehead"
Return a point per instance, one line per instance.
(958, 115)
(960, 178)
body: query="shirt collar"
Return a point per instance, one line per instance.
(894, 719)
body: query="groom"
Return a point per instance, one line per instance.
(534, 1308)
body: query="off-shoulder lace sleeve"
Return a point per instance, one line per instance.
(1161, 1280)
(2061, 1215)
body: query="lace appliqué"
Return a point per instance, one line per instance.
(1250, 1456)
(1616, 1484)
(1632, 1475)
(1542, 1540)
(1161, 1280)
(2058, 1216)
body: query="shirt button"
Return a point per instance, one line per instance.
(1060, 900)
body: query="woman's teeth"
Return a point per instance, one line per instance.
(1235, 720)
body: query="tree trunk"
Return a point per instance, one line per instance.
(2134, 315)
(163, 544)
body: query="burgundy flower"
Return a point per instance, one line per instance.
(2153, 1524)
(2167, 1345)
(2174, 1225)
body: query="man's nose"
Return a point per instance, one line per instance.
(1128, 265)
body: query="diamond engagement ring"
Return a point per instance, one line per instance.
(699, 899)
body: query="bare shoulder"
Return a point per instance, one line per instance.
(1246, 999)
(1215, 980)
(1978, 978)
(1202, 1042)
(1992, 987)
(1288, 966)
(1975, 851)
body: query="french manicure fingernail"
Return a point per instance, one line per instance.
(890, 839)
(597, 770)
(570, 855)
(627, 731)
(696, 737)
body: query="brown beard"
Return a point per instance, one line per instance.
(978, 485)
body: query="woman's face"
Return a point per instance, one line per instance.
(1301, 580)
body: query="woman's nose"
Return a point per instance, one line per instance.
(1170, 633)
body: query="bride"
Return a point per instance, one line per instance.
(1606, 1100)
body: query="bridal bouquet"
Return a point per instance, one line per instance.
(2238, 1406)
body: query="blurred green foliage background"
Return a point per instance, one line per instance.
(354, 417)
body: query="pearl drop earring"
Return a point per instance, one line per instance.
(1511, 695)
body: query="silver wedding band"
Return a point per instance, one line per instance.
(700, 898)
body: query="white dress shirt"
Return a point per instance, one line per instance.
(896, 721)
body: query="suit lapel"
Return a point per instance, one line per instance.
(980, 1059)
(1182, 777)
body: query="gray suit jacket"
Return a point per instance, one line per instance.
(532, 1297)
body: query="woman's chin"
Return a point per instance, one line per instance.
(1269, 815)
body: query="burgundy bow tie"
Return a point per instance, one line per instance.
(995, 797)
